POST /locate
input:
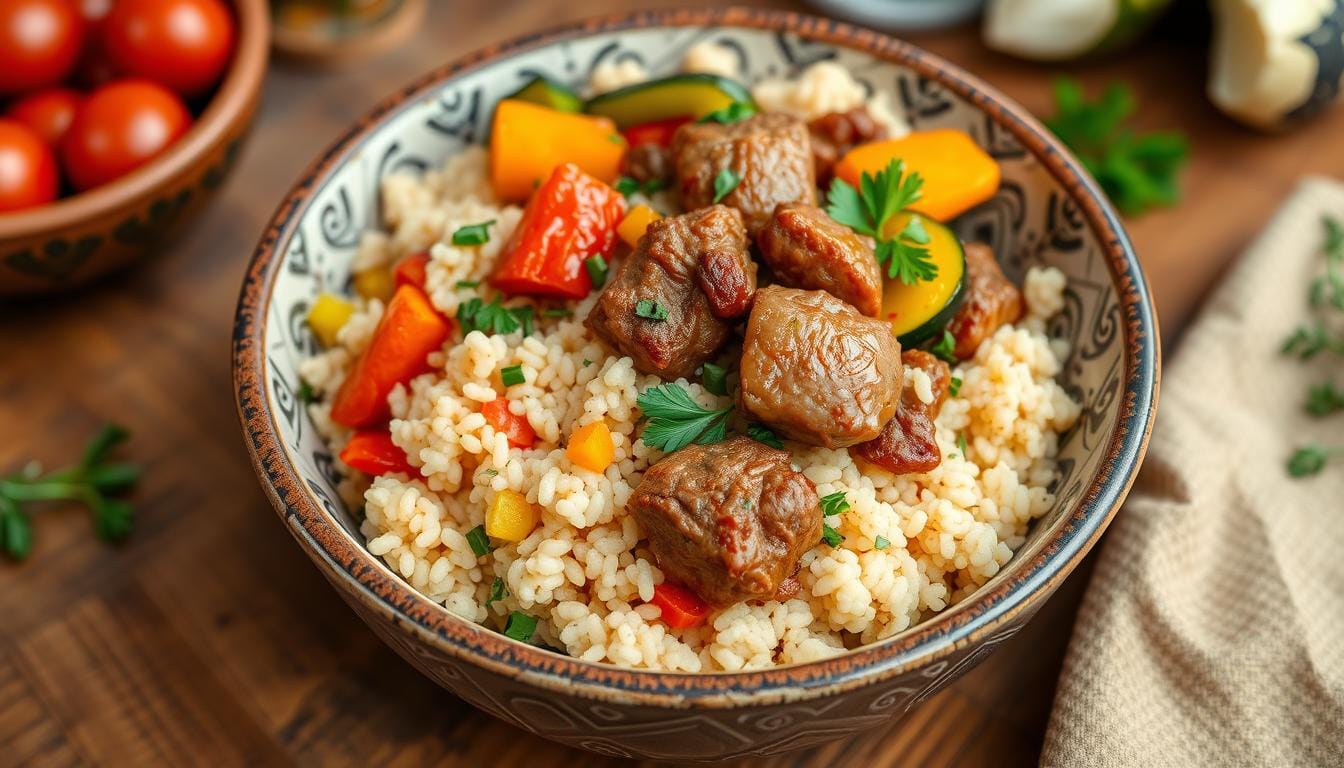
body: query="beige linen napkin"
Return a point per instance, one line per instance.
(1213, 630)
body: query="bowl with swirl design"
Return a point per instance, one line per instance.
(1047, 212)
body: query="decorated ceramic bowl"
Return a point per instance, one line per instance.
(85, 236)
(1048, 212)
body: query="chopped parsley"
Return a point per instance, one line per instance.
(597, 269)
(833, 504)
(626, 185)
(494, 317)
(961, 445)
(524, 316)
(497, 591)
(1324, 399)
(587, 362)
(650, 310)
(676, 421)
(946, 348)
(881, 542)
(868, 209)
(734, 112)
(954, 386)
(654, 186)
(473, 234)
(715, 379)
(831, 536)
(556, 312)
(520, 626)
(725, 182)
(512, 375)
(467, 284)
(479, 541)
(762, 435)
(306, 394)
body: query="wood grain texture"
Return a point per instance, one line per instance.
(207, 638)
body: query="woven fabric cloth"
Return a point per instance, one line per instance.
(1212, 632)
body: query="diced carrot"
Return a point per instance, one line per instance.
(591, 447)
(516, 428)
(410, 330)
(572, 217)
(681, 608)
(372, 452)
(958, 174)
(636, 223)
(527, 142)
(410, 270)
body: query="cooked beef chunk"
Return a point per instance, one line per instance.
(696, 268)
(991, 301)
(770, 155)
(729, 520)
(815, 370)
(806, 248)
(907, 442)
(647, 162)
(835, 134)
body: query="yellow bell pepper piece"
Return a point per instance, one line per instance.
(510, 517)
(635, 223)
(591, 447)
(527, 142)
(958, 174)
(376, 283)
(327, 316)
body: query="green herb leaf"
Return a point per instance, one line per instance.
(556, 312)
(676, 421)
(881, 542)
(961, 445)
(946, 348)
(1309, 460)
(724, 183)
(520, 626)
(111, 478)
(479, 541)
(467, 284)
(523, 314)
(306, 394)
(1324, 399)
(497, 591)
(112, 518)
(512, 375)
(715, 379)
(626, 185)
(954, 386)
(654, 186)
(102, 443)
(650, 310)
(587, 362)
(473, 234)
(833, 504)
(763, 435)
(732, 113)
(831, 536)
(16, 534)
(476, 315)
(597, 269)
(867, 210)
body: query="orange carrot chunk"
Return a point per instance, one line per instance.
(410, 270)
(681, 607)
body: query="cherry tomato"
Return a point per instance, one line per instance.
(48, 112)
(28, 174)
(118, 128)
(183, 44)
(40, 41)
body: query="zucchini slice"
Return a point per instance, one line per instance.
(920, 312)
(548, 93)
(694, 95)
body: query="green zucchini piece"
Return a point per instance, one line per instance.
(920, 312)
(691, 95)
(548, 93)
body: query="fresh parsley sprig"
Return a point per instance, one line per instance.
(676, 421)
(493, 317)
(1320, 334)
(832, 504)
(867, 210)
(94, 482)
(1311, 459)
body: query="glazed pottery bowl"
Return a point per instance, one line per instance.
(1047, 212)
(85, 236)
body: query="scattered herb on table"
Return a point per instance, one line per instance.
(715, 379)
(1319, 334)
(520, 626)
(473, 234)
(676, 421)
(650, 310)
(724, 183)
(734, 112)
(1137, 171)
(764, 436)
(597, 269)
(867, 210)
(479, 541)
(1311, 459)
(94, 481)
(512, 375)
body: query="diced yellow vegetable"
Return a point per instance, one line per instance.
(510, 517)
(633, 226)
(327, 316)
(591, 447)
(958, 174)
(376, 283)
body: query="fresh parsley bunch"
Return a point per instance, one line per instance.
(867, 210)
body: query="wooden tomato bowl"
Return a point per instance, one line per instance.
(79, 238)
(1047, 212)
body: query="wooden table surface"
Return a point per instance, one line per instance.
(208, 638)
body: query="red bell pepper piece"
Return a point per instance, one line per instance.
(372, 452)
(516, 428)
(410, 329)
(681, 607)
(570, 217)
(411, 270)
(657, 132)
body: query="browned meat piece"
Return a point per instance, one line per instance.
(815, 370)
(907, 442)
(728, 520)
(696, 268)
(770, 154)
(646, 162)
(835, 134)
(788, 589)
(806, 248)
(991, 301)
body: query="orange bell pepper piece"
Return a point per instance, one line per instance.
(527, 142)
(591, 447)
(410, 270)
(516, 428)
(372, 452)
(958, 174)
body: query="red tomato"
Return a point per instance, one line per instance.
(118, 128)
(680, 606)
(183, 44)
(28, 175)
(48, 112)
(39, 43)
